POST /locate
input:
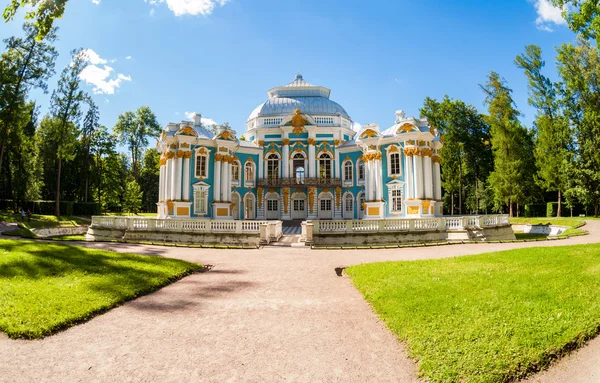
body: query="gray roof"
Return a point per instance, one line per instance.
(299, 94)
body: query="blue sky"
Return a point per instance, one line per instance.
(219, 57)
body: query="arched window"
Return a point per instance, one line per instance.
(235, 172)
(298, 167)
(249, 174)
(348, 206)
(325, 166)
(273, 166)
(348, 172)
(360, 170)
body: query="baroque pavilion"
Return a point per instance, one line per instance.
(300, 157)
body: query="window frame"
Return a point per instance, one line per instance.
(360, 164)
(202, 188)
(206, 168)
(348, 180)
(252, 181)
(233, 165)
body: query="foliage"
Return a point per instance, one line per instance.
(133, 130)
(583, 16)
(553, 140)
(512, 146)
(44, 13)
(132, 201)
(579, 67)
(49, 287)
(149, 179)
(490, 317)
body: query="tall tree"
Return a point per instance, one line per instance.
(466, 155)
(27, 63)
(579, 67)
(582, 16)
(553, 141)
(149, 179)
(133, 130)
(90, 124)
(65, 107)
(102, 144)
(511, 145)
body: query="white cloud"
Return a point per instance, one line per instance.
(356, 126)
(205, 121)
(100, 75)
(548, 14)
(96, 2)
(128, 58)
(190, 7)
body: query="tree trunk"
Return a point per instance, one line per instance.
(559, 209)
(510, 208)
(460, 189)
(517, 210)
(57, 208)
(452, 203)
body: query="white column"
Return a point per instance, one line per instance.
(378, 180)
(286, 158)
(173, 180)
(161, 183)
(408, 164)
(437, 177)
(371, 181)
(367, 179)
(167, 185)
(224, 179)
(228, 180)
(337, 164)
(427, 173)
(217, 181)
(186, 177)
(178, 175)
(311, 162)
(418, 160)
(261, 167)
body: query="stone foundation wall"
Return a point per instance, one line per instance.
(244, 239)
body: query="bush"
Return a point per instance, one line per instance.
(551, 209)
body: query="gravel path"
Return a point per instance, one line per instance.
(270, 315)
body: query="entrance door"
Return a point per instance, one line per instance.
(235, 200)
(249, 207)
(325, 209)
(299, 209)
(273, 209)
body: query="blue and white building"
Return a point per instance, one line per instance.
(300, 157)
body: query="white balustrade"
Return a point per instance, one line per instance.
(180, 225)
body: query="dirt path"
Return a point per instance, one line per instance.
(269, 315)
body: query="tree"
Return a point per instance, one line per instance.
(133, 130)
(44, 12)
(582, 16)
(466, 155)
(579, 67)
(553, 141)
(149, 179)
(102, 144)
(27, 63)
(90, 124)
(132, 200)
(66, 112)
(512, 177)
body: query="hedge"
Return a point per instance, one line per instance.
(534, 210)
(49, 207)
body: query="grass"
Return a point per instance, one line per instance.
(562, 221)
(46, 287)
(68, 238)
(131, 214)
(490, 317)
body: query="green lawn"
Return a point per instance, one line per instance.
(562, 221)
(46, 287)
(491, 317)
(131, 214)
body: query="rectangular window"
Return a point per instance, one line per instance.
(235, 172)
(397, 200)
(298, 205)
(361, 171)
(395, 164)
(201, 166)
(348, 171)
(200, 201)
(272, 205)
(325, 205)
(349, 205)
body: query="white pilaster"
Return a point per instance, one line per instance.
(261, 167)
(285, 161)
(178, 174)
(427, 173)
(408, 165)
(311, 162)
(186, 177)
(217, 182)
(438, 181)
(378, 180)
(167, 184)
(173, 180)
(337, 164)
(418, 176)
(228, 181)
(224, 180)
(370, 166)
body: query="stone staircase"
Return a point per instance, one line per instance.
(291, 235)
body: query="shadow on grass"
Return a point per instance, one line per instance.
(57, 286)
